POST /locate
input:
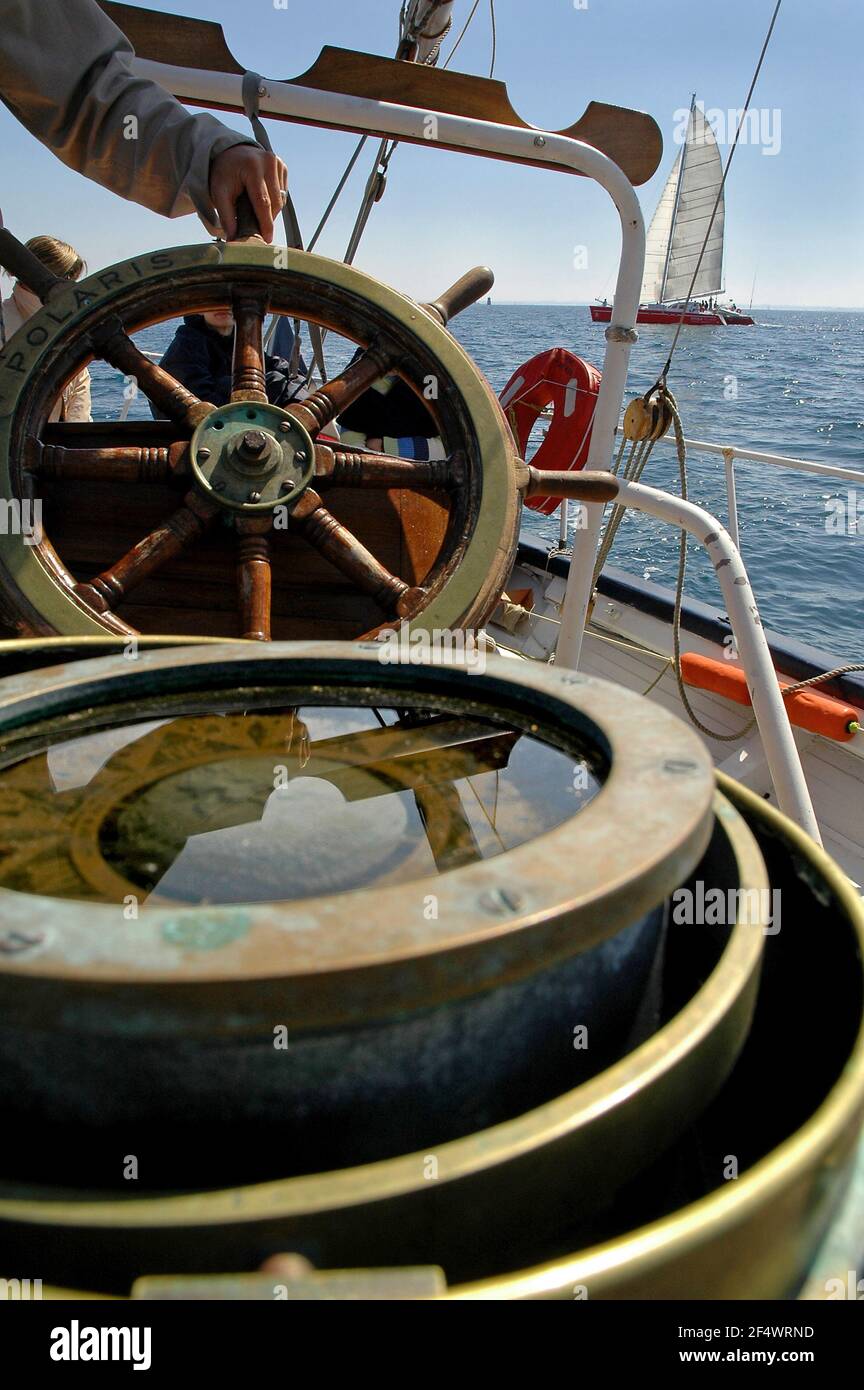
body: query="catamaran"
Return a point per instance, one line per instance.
(678, 228)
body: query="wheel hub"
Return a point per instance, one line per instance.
(251, 457)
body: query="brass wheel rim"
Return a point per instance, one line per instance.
(462, 591)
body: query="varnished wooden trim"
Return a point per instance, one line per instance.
(631, 138)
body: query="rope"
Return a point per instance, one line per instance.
(824, 676)
(377, 181)
(638, 459)
(464, 32)
(253, 88)
(681, 452)
(639, 454)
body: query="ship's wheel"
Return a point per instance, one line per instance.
(241, 520)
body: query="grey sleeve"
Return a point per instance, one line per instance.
(65, 74)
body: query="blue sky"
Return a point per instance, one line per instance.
(794, 218)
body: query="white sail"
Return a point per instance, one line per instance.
(682, 219)
(657, 241)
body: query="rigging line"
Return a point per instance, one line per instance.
(373, 186)
(429, 61)
(722, 185)
(337, 192)
(374, 189)
(465, 27)
(681, 452)
(375, 183)
(494, 36)
(346, 173)
(315, 235)
(492, 824)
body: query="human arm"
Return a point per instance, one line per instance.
(65, 74)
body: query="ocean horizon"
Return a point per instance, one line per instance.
(788, 385)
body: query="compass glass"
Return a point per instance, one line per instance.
(278, 804)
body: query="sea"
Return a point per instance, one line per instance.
(792, 385)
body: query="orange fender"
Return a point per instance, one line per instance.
(808, 709)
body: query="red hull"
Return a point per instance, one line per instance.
(601, 313)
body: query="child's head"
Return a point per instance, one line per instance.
(58, 256)
(220, 319)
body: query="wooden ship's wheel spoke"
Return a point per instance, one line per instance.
(254, 580)
(164, 390)
(338, 545)
(119, 464)
(364, 468)
(330, 400)
(248, 375)
(111, 586)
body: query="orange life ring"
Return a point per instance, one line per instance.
(558, 378)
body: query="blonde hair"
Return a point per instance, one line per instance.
(58, 256)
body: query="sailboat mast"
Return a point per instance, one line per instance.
(677, 197)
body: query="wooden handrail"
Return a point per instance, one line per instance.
(631, 138)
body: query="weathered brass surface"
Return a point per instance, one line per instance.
(483, 1198)
(479, 1207)
(231, 465)
(754, 1237)
(429, 1001)
(563, 898)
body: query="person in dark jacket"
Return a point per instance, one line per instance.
(391, 417)
(199, 356)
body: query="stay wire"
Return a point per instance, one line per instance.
(741, 119)
(465, 29)
(376, 182)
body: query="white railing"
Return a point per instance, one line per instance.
(751, 644)
(583, 557)
(730, 452)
